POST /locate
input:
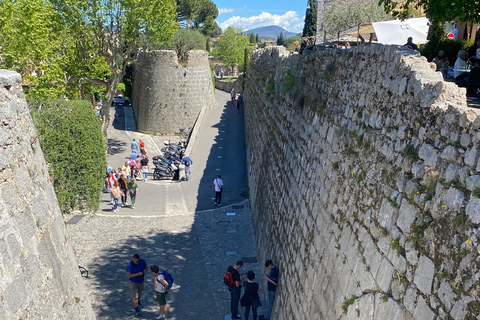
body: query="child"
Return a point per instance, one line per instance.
(161, 287)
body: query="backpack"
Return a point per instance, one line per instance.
(228, 279)
(144, 161)
(168, 277)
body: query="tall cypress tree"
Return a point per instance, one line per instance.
(310, 27)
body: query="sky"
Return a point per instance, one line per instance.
(250, 14)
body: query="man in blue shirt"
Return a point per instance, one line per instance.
(272, 279)
(135, 145)
(134, 155)
(136, 270)
(187, 162)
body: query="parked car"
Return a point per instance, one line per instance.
(120, 100)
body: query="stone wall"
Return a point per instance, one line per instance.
(39, 277)
(228, 85)
(364, 175)
(168, 96)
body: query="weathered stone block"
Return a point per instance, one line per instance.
(424, 275)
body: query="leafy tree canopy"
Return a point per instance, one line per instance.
(186, 40)
(229, 47)
(310, 26)
(338, 17)
(114, 30)
(436, 10)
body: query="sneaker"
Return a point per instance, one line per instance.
(123, 204)
(115, 210)
(160, 317)
(140, 305)
(137, 311)
(133, 207)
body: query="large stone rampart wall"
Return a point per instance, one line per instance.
(168, 96)
(39, 277)
(363, 166)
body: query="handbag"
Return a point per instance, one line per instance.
(244, 301)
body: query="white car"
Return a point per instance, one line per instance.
(120, 100)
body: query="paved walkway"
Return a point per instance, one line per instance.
(175, 225)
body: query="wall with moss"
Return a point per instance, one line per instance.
(364, 184)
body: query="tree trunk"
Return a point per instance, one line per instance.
(112, 87)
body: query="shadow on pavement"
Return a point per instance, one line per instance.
(116, 146)
(169, 252)
(228, 158)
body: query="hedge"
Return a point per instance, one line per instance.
(72, 142)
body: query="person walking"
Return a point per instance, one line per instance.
(187, 162)
(136, 270)
(145, 166)
(138, 166)
(250, 297)
(110, 182)
(115, 193)
(161, 290)
(134, 145)
(133, 190)
(127, 170)
(236, 289)
(123, 182)
(218, 184)
(272, 279)
(233, 95)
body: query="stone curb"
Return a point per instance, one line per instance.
(244, 202)
(196, 127)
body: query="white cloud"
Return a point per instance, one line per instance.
(289, 21)
(224, 10)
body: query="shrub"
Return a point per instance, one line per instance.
(450, 48)
(72, 142)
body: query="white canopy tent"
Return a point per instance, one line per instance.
(397, 31)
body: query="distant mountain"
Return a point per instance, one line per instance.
(271, 32)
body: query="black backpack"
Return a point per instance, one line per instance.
(144, 161)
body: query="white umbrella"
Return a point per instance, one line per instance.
(397, 31)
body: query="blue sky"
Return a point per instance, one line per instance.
(251, 14)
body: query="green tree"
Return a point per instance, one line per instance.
(205, 9)
(71, 139)
(338, 17)
(289, 42)
(33, 42)
(251, 37)
(229, 47)
(115, 30)
(310, 26)
(257, 40)
(436, 10)
(186, 40)
(281, 39)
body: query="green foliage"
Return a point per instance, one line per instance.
(463, 253)
(460, 219)
(476, 192)
(72, 142)
(121, 87)
(281, 39)
(399, 248)
(229, 47)
(417, 236)
(347, 303)
(31, 43)
(310, 26)
(186, 40)
(394, 203)
(411, 152)
(289, 83)
(251, 37)
(246, 60)
(435, 10)
(341, 16)
(450, 48)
